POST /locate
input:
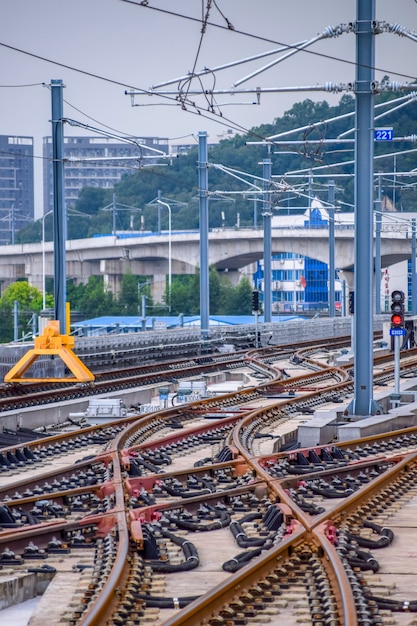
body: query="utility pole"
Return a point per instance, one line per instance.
(159, 211)
(60, 218)
(413, 269)
(114, 212)
(204, 228)
(15, 320)
(267, 214)
(13, 224)
(363, 403)
(378, 224)
(331, 249)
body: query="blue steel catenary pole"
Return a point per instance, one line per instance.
(363, 403)
(60, 218)
(331, 249)
(204, 228)
(413, 268)
(378, 223)
(266, 213)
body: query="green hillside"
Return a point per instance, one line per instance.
(178, 182)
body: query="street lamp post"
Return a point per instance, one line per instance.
(43, 259)
(165, 204)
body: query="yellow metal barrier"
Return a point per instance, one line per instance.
(52, 344)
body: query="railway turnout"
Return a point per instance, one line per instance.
(209, 512)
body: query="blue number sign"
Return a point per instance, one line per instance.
(383, 134)
(396, 332)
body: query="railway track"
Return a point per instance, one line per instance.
(196, 515)
(17, 396)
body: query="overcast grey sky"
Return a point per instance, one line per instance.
(101, 47)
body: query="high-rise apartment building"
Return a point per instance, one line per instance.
(16, 185)
(96, 162)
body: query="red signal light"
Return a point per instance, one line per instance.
(397, 309)
(397, 319)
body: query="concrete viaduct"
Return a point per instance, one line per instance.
(147, 255)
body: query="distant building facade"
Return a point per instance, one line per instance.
(17, 202)
(95, 162)
(300, 284)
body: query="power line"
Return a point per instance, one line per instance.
(203, 32)
(261, 38)
(198, 110)
(24, 85)
(218, 117)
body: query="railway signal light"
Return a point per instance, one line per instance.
(351, 302)
(397, 309)
(255, 300)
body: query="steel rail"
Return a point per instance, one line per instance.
(198, 611)
(309, 400)
(338, 577)
(37, 391)
(97, 611)
(219, 597)
(335, 570)
(117, 446)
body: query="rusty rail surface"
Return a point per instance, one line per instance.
(138, 485)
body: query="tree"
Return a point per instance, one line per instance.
(31, 233)
(179, 181)
(185, 294)
(78, 225)
(29, 303)
(29, 298)
(224, 298)
(6, 322)
(179, 296)
(215, 292)
(93, 300)
(91, 200)
(239, 298)
(128, 300)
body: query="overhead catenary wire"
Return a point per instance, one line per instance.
(146, 5)
(212, 110)
(203, 32)
(229, 27)
(195, 109)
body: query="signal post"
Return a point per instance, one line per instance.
(255, 310)
(397, 331)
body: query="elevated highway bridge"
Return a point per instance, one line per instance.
(230, 250)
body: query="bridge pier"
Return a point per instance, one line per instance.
(80, 271)
(112, 272)
(11, 274)
(158, 287)
(234, 276)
